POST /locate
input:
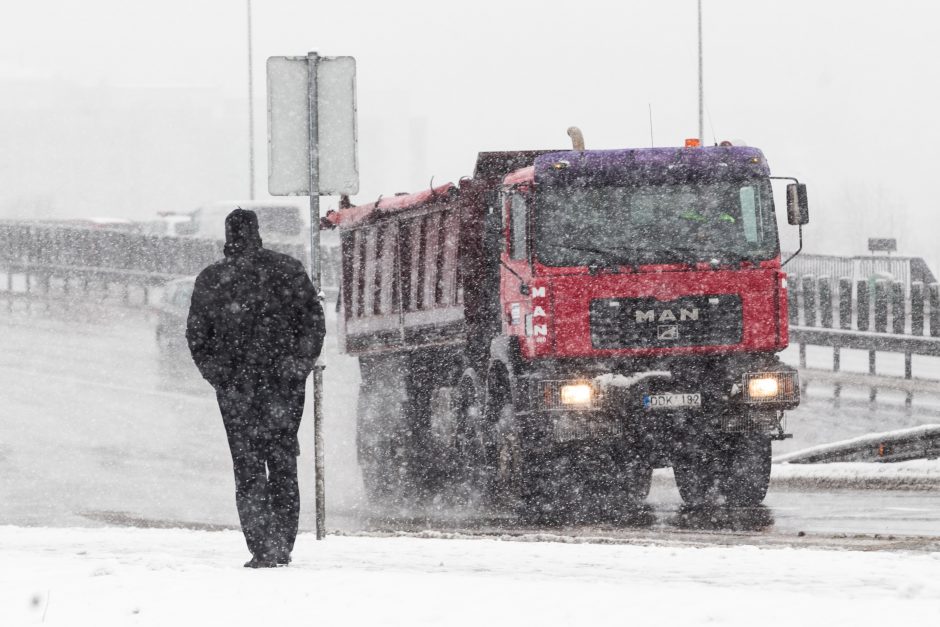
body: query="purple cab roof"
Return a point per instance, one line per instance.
(650, 166)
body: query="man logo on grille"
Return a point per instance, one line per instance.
(667, 332)
(666, 315)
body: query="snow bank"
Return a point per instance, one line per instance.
(921, 433)
(109, 576)
(919, 474)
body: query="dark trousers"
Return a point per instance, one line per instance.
(261, 422)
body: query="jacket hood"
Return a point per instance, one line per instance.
(241, 233)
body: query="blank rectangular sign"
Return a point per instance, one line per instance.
(882, 245)
(289, 126)
(336, 112)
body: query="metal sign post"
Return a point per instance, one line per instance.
(312, 151)
(313, 60)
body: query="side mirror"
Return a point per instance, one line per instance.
(797, 205)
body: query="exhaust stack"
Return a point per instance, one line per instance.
(577, 138)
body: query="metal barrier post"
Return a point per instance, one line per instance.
(881, 306)
(825, 302)
(898, 310)
(917, 308)
(845, 303)
(809, 301)
(862, 305)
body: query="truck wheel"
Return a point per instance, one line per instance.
(502, 450)
(746, 473)
(696, 476)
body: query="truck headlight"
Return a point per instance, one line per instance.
(762, 387)
(771, 387)
(577, 394)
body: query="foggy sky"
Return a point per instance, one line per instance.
(125, 108)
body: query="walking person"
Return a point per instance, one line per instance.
(255, 330)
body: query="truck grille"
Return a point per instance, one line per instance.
(649, 323)
(752, 422)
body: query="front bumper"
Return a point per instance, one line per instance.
(617, 404)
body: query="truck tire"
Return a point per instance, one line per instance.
(746, 473)
(737, 473)
(696, 476)
(502, 450)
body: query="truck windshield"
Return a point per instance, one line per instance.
(685, 222)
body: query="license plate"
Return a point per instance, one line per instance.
(672, 401)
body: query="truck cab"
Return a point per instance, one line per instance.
(590, 314)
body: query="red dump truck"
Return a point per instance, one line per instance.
(561, 323)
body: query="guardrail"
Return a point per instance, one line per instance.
(905, 269)
(42, 253)
(894, 446)
(877, 315)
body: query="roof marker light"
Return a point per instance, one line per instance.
(693, 142)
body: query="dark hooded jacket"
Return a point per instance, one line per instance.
(254, 316)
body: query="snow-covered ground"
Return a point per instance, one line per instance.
(917, 471)
(97, 577)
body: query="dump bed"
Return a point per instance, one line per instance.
(401, 283)
(414, 272)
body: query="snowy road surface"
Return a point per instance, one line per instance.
(98, 438)
(97, 577)
(94, 430)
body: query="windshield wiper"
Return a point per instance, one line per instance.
(611, 256)
(632, 257)
(693, 255)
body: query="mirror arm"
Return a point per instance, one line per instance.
(523, 288)
(797, 250)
